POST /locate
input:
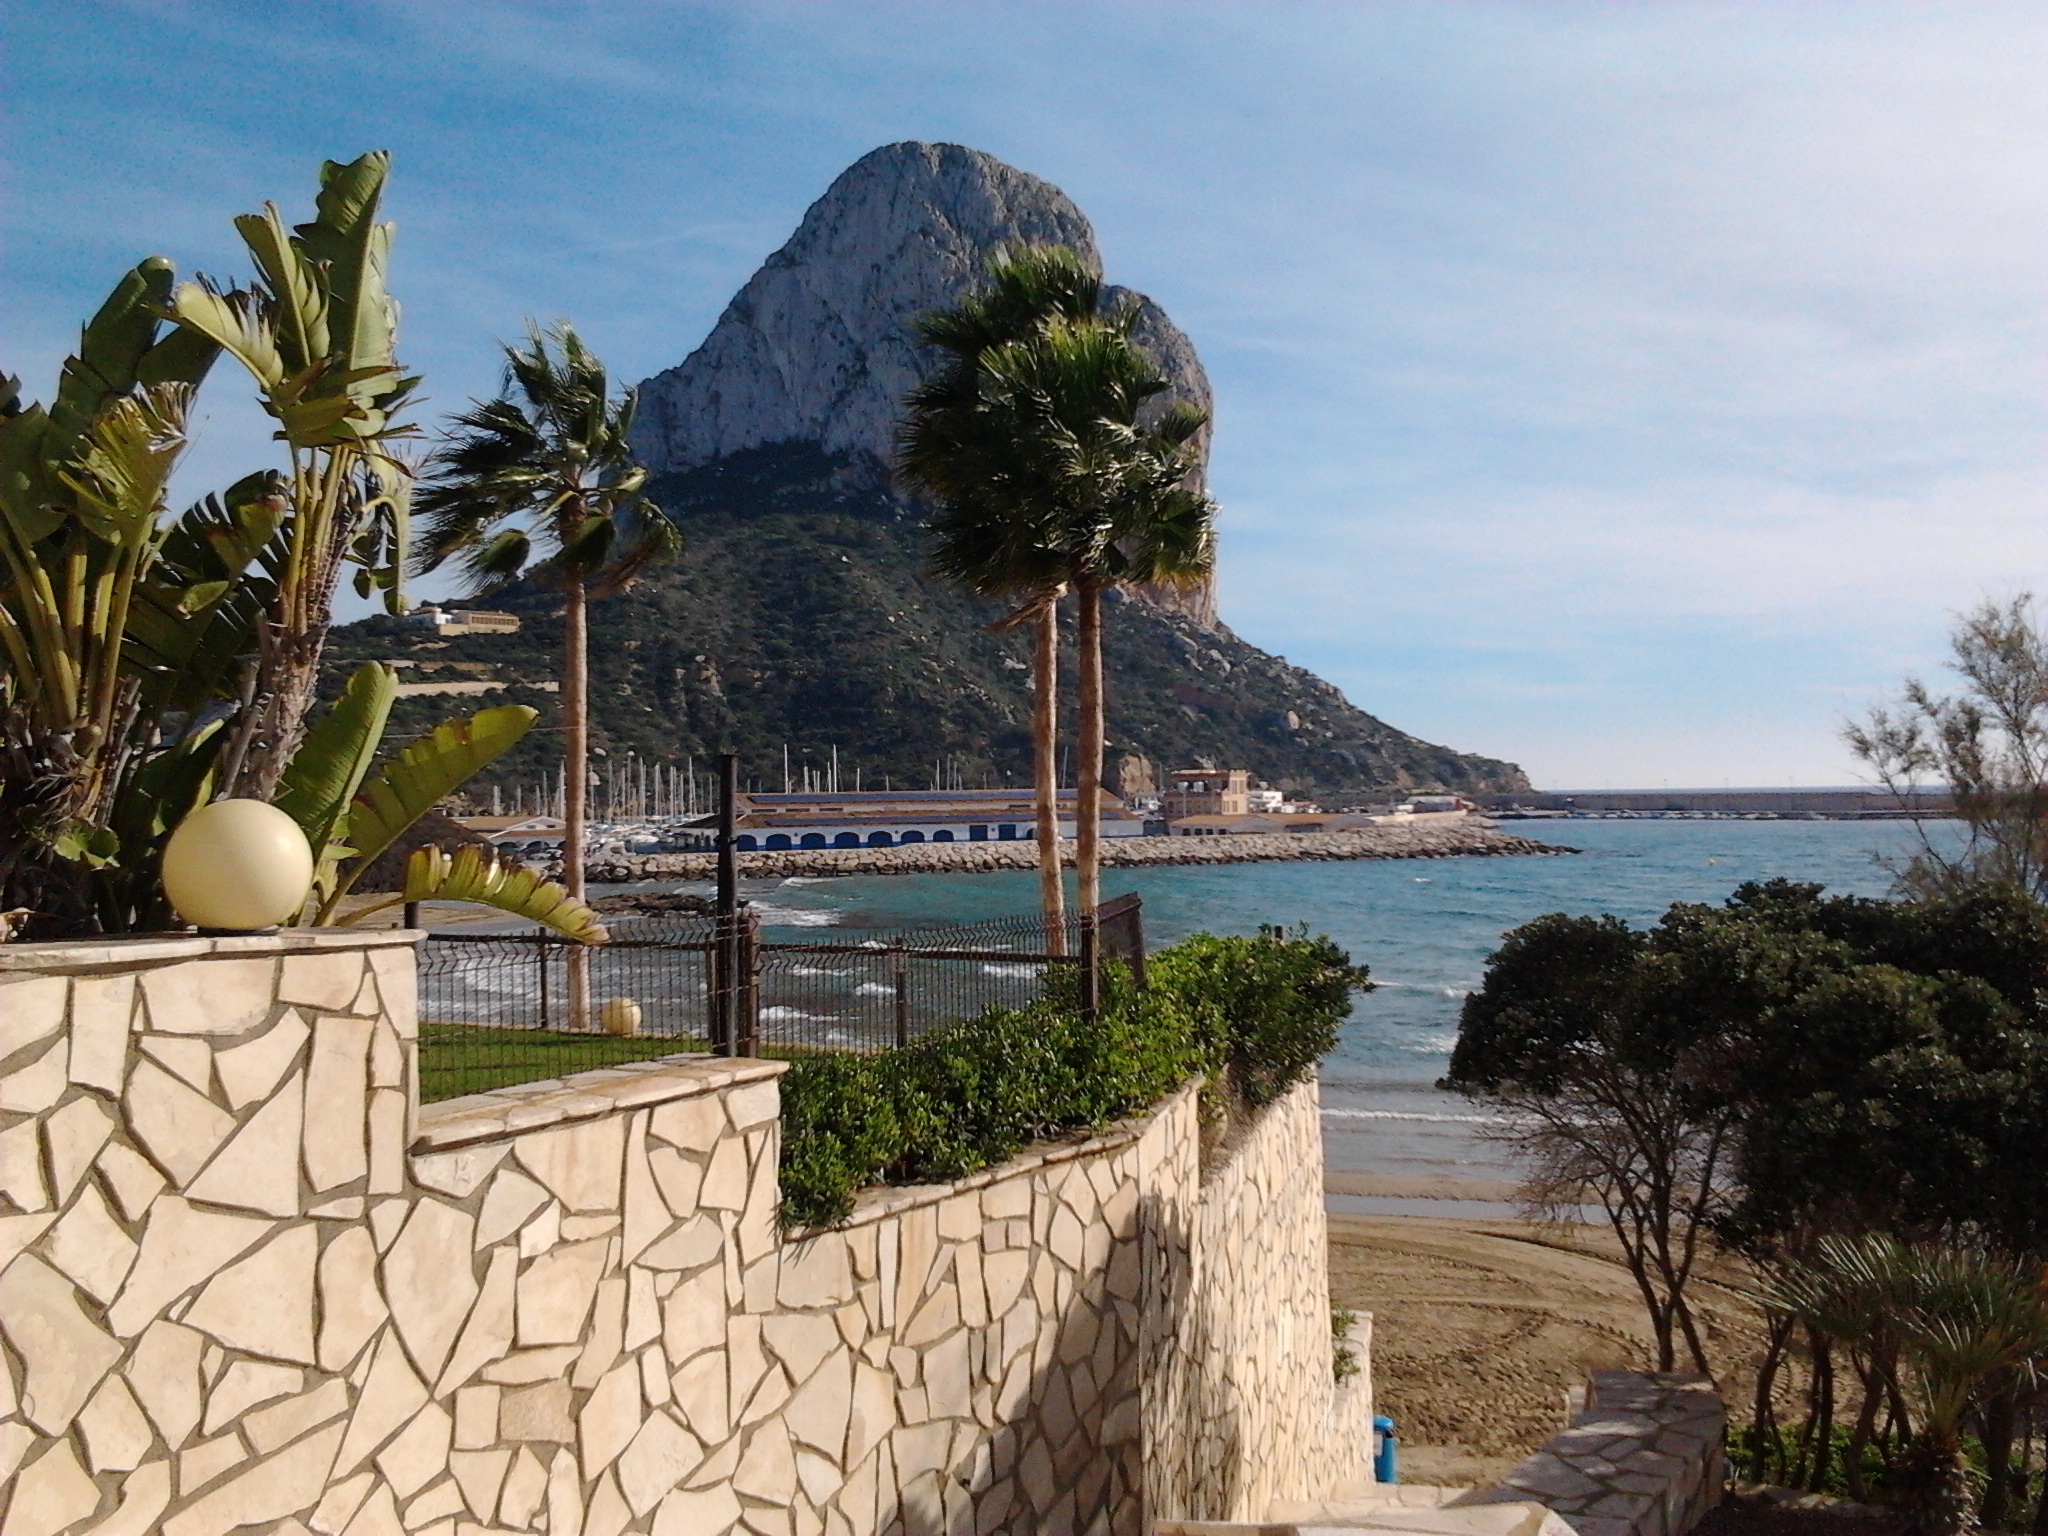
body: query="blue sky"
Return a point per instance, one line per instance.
(1631, 390)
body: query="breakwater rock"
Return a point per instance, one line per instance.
(1435, 842)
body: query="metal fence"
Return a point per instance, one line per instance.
(497, 1009)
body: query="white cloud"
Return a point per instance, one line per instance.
(1598, 385)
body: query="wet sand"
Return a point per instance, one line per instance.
(1481, 1327)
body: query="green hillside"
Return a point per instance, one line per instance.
(800, 613)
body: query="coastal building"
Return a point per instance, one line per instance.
(1266, 802)
(463, 621)
(889, 818)
(1437, 805)
(1257, 822)
(1206, 792)
(517, 833)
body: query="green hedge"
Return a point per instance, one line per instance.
(1255, 1013)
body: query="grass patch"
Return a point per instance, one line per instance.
(1253, 1015)
(458, 1059)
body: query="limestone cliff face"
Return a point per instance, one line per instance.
(817, 347)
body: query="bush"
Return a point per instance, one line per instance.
(970, 1095)
(1344, 1362)
(1275, 1002)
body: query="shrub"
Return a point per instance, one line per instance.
(1275, 1002)
(972, 1094)
(1344, 1362)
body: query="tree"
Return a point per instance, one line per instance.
(106, 609)
(1988, 744)
(1567, 1042)
(124, 699)
(1870, 1067)
(541, 484)
(318, 332)
(1943, 1321)
(1108, 471)
(989, 537)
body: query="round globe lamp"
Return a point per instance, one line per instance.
(621, 1016)
(237, 864)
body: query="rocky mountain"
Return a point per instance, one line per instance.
(817, 347)
(801, 617)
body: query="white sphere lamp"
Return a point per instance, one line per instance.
(237, 864)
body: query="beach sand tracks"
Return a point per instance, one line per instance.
(1481, 1328)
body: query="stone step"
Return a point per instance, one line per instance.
(1392, 1495)
(1407, 1509)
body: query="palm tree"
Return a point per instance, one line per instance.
(318, 332)
(1108, 473)
(990, 538)
(546, 471)
(1955, 1316)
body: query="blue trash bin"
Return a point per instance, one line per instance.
(1385, 1451)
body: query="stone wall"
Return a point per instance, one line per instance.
(246, 1283)
(1462, 839)
(1243, 1277)
(1643, 1459)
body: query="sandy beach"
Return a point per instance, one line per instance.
(1481, 1327)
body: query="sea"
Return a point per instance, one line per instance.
(1424, 928)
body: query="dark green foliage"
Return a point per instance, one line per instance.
(1275, 1002)
(1884, 1064)
(1781, 1454)
(841, 1128)
(1553, 985)
(1343, 1358)
(972, 1094)
(804, 614)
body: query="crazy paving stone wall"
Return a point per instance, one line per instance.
(1251, 1290)
(1644, 1458)
(246, 1284)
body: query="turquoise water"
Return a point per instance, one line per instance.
(1424, 927)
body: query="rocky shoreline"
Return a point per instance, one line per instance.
(1434, 842)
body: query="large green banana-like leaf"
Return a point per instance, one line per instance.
(25, 483)
(331, 764)
(474, 874)
(214, 580)
(125, 461)
(355, 251)
(412, 783)
(235, 322)
(299, 307)
(182, 357)
(157, 792)
(111, 347)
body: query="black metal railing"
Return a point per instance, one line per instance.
(498, 1009)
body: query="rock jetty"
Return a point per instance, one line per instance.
(1432, 842)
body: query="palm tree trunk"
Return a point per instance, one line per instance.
(1045, 725)
(274, 726)
(1088, 776)
(576, 780)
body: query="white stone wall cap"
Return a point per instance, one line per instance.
(583, 1096)
(1522, 1518)
(68, 956)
